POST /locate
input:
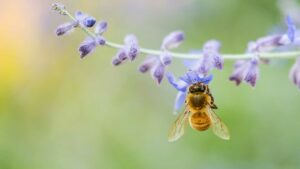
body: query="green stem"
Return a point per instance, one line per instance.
(273, 55)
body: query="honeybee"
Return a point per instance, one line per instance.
(199, 105)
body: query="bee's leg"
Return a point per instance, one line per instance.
(213, 106)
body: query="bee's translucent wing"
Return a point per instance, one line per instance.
(177, 128)
(218, 127)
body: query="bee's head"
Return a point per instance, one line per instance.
(198, 88)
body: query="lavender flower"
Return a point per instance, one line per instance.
(148, 64)
(101, 27)
(84, 19)
(173, 40)
(158, 72)
(65, 28)
(294, 74)
(269, 43)
(131, 46)
(291, 28)
(245, 70)
(183, 83)
(87, 47)
(166, 57)
(116, 61)
(122, 55)
(211, 58)
(89, 21)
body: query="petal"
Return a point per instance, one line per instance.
(218, 61)
(173, 40)
(239, 72)
(147, 64)
(65, 28)
(206, 79)
(252, 75)
(190, 64)
(101, 27)
(177, 85)
(131, 46)
(291, 28)
(179, 101)
(89, 21)
(165, 58)
(158, 72)
(86, 47)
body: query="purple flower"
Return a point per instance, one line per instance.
(89, 21)
(84, 19)
(65, 28)
(148, 64)
(87, 47)
(173, 40)
(131, 46)
(158, 72)
(101, 27)
(291, 28)
(269, 43)
(122, 55)
(100, 40)
(166, 57)
(116, 61)
(266, 44)
(294, 74)
(246, 70)
(211, 58)
(183, 83)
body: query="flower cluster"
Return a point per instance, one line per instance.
(157, 64)
(246, 68)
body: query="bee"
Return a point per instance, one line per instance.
(199, 105)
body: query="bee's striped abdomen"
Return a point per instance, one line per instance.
(199, 121)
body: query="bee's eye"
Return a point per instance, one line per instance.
(200, 88)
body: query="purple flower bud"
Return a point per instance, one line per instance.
(116, 61)
(148, 64)
(80, 16)
(65, 28)
(158, 72)
(101, 27)
(294, 74)
(121, 55)
(253, 72)
(87, 47)
(165, 57)
(239, 73)
(84, 19)
(173, 40)
(245, 70)
(211, 49)
(291, 28)
(89, 21)
(100, 40)
(269, 43)
(131, 46)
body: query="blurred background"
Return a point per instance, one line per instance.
(60, 112)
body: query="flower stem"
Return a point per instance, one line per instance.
(270, 55)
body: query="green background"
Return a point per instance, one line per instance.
(60, 112)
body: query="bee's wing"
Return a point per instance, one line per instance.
(219, 128)
(177, 128)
